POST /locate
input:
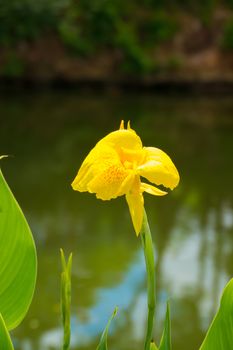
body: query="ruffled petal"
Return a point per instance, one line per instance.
(158, 168)
(98, 160)
(102, 173)
(136, 205)
(113, 182)
(109, 168)
(152, 189)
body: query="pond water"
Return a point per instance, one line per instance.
(48, 134)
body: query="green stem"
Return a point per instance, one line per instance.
(66, 299)
(150, 269)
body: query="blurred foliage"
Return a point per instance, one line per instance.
(159, 27)
(88, 27)
(129, 28)
(26, 19)
(227, 41)
(13, 67)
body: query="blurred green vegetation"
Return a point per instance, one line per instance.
(13, 66)
(227, 42)
(130, 28)
(27, 19)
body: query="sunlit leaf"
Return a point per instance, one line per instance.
(153, 346)
(18, 263)
(66, 298)
(103, 341)
(165, 343)
(3, 156)
(5, 340)
(220, 333)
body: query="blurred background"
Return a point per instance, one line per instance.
(116, 41)
(69, 72)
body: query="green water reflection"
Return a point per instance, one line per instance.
(49, 134)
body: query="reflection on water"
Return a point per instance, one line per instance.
(49, 134)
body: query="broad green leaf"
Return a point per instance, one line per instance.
(165, 343)
(66, 298)
(103, 341)
(18, 263)
(5, 340)
(153, 346)
(220, 333)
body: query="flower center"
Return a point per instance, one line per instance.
(130, 159)
(129, 165)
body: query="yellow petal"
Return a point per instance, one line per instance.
(97, 161)
(123, 138)
(127, 145)
(159, 168)
(108, 170)
(136, 205)
(152, 190)
(113, 182)
(102, 173)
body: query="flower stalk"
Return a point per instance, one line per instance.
(66, 298)
(150, 269)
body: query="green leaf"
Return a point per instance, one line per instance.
(66, 298)
(165, 343)
(5, 339)
(103, 341)
(220, 333)
(18, 262)
(153, 346)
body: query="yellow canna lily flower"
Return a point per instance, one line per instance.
(114, 168)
